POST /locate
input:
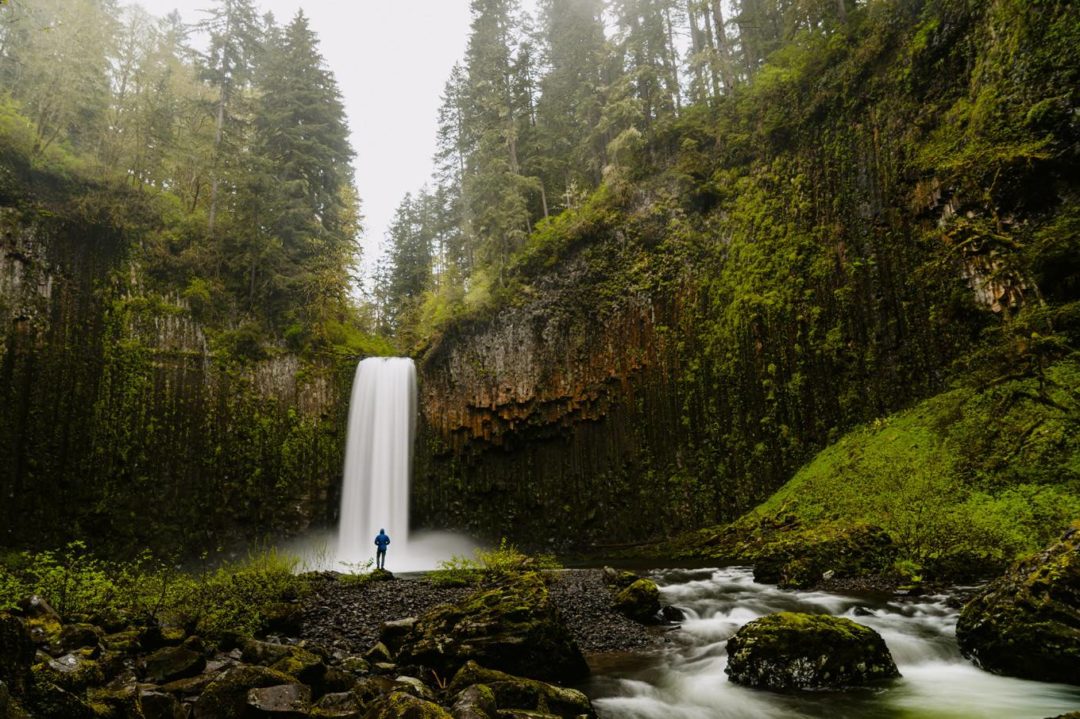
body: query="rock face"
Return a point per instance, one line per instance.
(807, 651)
(514, 627)
(510, 692)
(1027, 623)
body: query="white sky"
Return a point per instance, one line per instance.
(391, 59)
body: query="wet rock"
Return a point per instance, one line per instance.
(337, 680)
(378, 653)
(356, 665)
(264, 653)
(160, 705)
(120, 701)
(400, 705)
(170, 663)
(284, 701)
(807, 651)
(54, 702)
(16, 652)
(43, 621)
(475, 702)
(9, 706)
(371, 689)
(640, 601)
(512, 692)
(189, 687)
(226, 696)
(306, 666)
(414, 686)
(619, 579)
(672, 615)
(73, 672)
(392, 634)
(381, 575)
(1027, 623)
(78, 636)
(514, 626)
(338, 705)
(285, 618)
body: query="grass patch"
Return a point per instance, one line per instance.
(491, 565)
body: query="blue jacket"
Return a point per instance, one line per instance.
(381, 540)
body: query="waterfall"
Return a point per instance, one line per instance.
(378, 459)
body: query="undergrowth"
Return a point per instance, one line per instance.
(495, 564)
(236, 597)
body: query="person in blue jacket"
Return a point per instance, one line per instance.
(381, 540)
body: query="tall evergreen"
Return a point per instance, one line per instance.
(300, 170)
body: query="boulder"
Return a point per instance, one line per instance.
(371, 689)
(393, 634)
(78, 636)
(9, 707)
(283, 701)
(475, 702)
(302, 664)
(1027, 623)
(798, 558)
(514, 626)
(73, 672)
(285, 618)
(807, 651)
(619, 579)
(512, 692)
(414, 686)
(379, 653)
(524, 714)
(400, 705)
(170, 663)
(43, 620)
(16, 653)
(264, 653)
(226, 696)
(160, 705)
(640, 601)
(338, 705)
(120, 701)
(356, 665)
(54, 702)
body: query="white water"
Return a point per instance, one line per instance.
(378, 470)
(686, 680)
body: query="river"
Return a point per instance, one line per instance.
(686, 680)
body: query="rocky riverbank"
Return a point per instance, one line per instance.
(347, 617)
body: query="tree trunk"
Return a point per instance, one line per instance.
(722, 46)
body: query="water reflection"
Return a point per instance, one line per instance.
(686, 680)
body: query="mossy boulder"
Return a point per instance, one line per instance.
(16, 652)
(799, 557)
(789, 650)
(226, 696)
(1027, 623)
(619, 579)
(399, 705)
(514, 627)
(512, 692)
(285, 701)
(170, 663)
(640, 601)
(475, 702)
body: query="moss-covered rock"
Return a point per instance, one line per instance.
(285, 701)
(9, 706)
(619, 579)
(400, 705)
(640, 601)
(475, 702)
(512, 692)
(169, 663)
(306, 666)
(514, 627)
(1027, 623)
(801, 557)
(160, 705)
(16, 652)
(79, 636)
(226, 696)
(807, 651)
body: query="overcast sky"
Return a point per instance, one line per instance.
(391, 59)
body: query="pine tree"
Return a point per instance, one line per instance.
(229, 68)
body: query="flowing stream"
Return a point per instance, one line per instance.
(686, 679)
(378, 469)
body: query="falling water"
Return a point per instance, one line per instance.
(378, 469)
(378, 457)
(687, 680)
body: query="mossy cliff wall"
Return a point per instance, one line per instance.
(119, 423)
(819, 250)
